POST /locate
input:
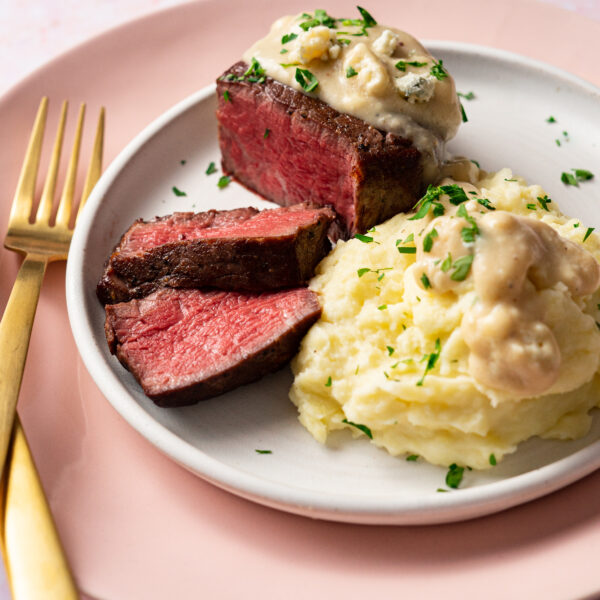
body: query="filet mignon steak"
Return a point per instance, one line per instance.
(187, 345)
(241, 249)
(290, 147)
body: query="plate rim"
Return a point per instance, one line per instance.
(432, 508)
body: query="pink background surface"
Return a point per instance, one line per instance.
(134, 524)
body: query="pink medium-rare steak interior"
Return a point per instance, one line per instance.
(185, 345)
(237, 223)
(291, 147)
(324, 171)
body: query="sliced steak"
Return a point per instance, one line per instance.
(312, 152)
(187, 345)
(242, 249)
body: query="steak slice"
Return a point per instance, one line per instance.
(187, 345)
(313, 152)
(242, 249)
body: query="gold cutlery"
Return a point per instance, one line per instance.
(33, 555)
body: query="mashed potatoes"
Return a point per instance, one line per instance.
(459, 331)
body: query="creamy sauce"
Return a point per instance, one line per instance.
(411, 103)
(514, 258)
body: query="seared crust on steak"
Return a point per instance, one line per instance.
(188, 345)
(240, 249)
(313, 152)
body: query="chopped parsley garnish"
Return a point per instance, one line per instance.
(407, 249)
(461, 267)
(412, 457)
(226, 96)
(467, 96)
(463, 113)
(467, 233)
(266, 133)
(510, 179)
(485, 202)
(286, 65)
(283, 51)
(438, 70)
(288, 37)
(368, 20)
(455, 193)
(366, 239)
(557, 142)
(575, 177)
(402, 64)
(344, 41)
(425, 281)
(328, 382)
(382, 307)
(182, 162)
(308, 82)
(531, 206)
(493, 460)
(588, 232)
(379, 272)
(569, 179)
(550, 119)
(320, 18)
(178, 192)
(263, 451)
(431, 360)
(454, 476)
(428, 201)
(255, 72)
(428, 240)
(223, 181)
(211, 169)
(475, 163)
(362, 428)
(446, 264)
(576, 225)
(350, 72)
(390, 351)
(544, 202)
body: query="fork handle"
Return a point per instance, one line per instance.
(15, 331)
(35, 561)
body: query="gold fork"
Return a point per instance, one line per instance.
(34, 558)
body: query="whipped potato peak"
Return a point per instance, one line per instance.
(379, 74)
(460, 330)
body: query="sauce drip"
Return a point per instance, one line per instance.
(515, 258)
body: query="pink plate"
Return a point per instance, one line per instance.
(135, 524)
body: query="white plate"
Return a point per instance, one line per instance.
(347, 480)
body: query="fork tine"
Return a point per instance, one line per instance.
(21, 207)
(95, 166)
(45, 206)
(63, 216)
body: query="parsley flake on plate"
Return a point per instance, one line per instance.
(178, 192)
(454, 476)
(223, 181)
